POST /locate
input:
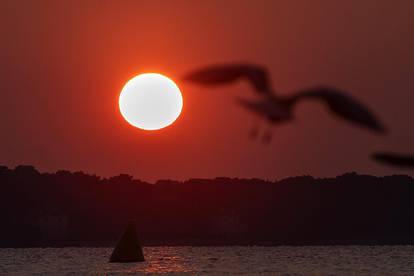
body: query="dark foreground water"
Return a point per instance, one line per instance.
(319, 260)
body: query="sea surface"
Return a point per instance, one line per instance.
(282, 260)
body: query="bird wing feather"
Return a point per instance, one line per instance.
(394, 159)
(343, 106)
(229, 73)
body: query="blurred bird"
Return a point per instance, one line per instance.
(394, 159)
(277, 109)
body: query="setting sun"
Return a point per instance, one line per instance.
(150, 101)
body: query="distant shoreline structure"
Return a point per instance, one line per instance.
(77, 209)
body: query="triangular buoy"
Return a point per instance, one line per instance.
(128, 248)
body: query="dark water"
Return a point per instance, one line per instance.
(314, 260)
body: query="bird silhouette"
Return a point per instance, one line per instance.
(394, 159)
(277, 109)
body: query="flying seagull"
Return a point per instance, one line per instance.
(277, 109)
(394, 159)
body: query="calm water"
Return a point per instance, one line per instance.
(345, 260)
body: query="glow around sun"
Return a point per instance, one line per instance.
(150, 101)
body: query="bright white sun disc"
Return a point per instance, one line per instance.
(150, 101)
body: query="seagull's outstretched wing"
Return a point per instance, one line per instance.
(228, 73)
(344, 106)
(394, 159)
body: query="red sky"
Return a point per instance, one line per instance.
(63, 64)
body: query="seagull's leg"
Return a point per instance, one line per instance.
(268, 135)
(254, 131)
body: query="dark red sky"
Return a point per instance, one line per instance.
(63, 64)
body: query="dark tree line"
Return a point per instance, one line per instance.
(65, 208)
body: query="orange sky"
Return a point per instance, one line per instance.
(63, 64)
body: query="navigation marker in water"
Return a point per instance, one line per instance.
(128, 248)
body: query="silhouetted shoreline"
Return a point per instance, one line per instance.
(77, 209)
